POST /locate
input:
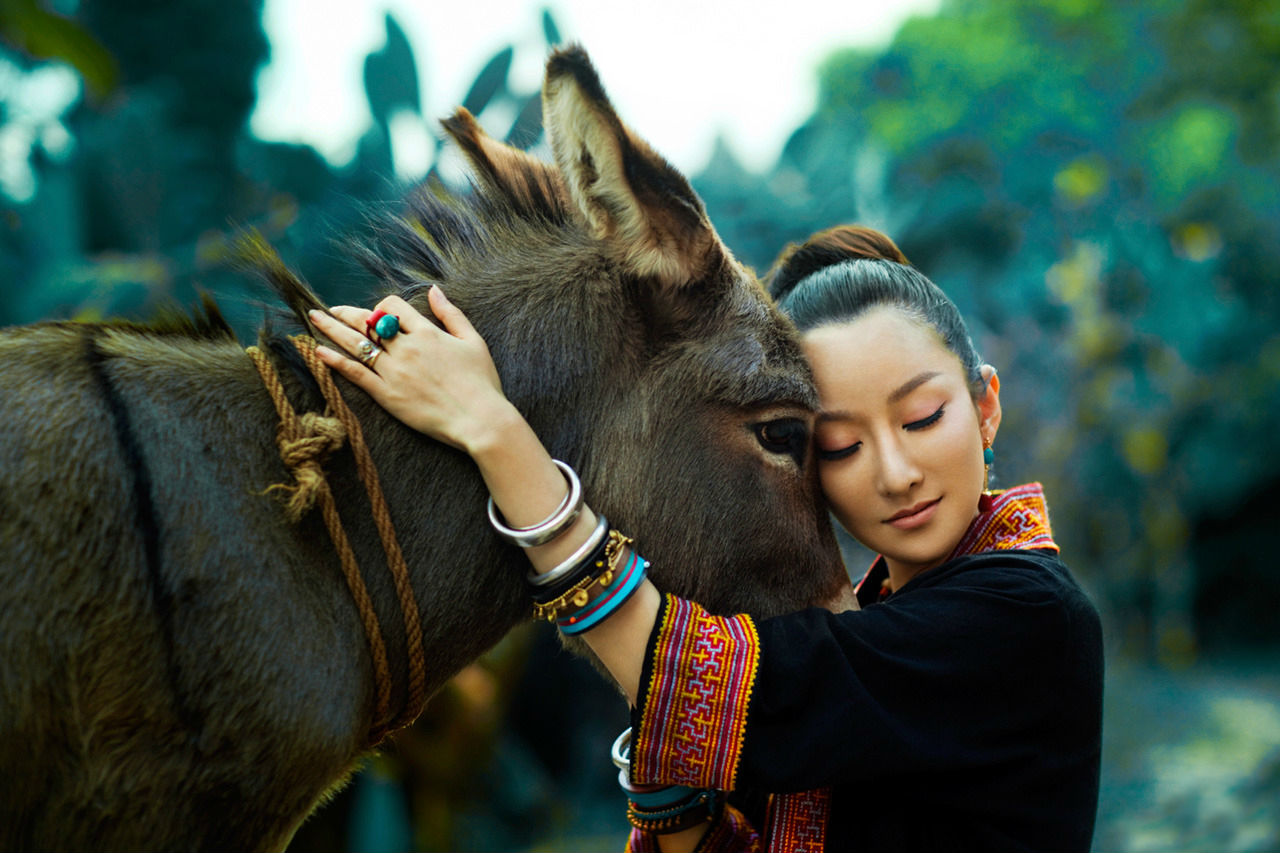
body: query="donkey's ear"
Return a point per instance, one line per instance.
(527, 182)
(629, 195)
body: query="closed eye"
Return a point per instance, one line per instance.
(925, 423)
(832, 455)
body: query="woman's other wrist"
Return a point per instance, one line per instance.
(525, 483)
(496, 427)
(527, 488)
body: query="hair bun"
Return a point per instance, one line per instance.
(825, 248)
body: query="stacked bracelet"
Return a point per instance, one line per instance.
(699, 807)
(568, 598)
(662, 809)
(575, 561)
(597, 579)
(551, 527)
(612, 596)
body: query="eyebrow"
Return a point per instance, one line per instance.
(901, 391)
(912, 384)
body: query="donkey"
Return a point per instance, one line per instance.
(182, 668)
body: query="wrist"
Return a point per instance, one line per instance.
(497, 428)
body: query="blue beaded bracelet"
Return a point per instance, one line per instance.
(614, 596)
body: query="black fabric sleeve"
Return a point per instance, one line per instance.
(986, 668)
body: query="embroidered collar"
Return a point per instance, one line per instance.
(1017, 518)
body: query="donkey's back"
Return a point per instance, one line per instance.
(137, 651)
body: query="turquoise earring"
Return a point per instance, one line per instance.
(986, 499)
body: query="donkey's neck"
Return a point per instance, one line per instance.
(208, 410)
(467, 586)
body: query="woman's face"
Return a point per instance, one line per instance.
(900, 437)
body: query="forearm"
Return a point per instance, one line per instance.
(527, 487)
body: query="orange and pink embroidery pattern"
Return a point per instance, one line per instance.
(704, 667)
(1018, 518)
(798, 822)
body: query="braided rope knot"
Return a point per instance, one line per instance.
(304, 446)
(305, 442)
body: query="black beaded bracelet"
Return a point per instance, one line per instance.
(586, 567)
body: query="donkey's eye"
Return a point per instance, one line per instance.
(788, 436)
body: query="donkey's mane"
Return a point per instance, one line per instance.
(429, 236)
(203, 322)
(438, 228)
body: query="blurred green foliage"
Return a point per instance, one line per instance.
(1095, 182)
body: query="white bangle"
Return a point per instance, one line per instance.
(620, 753)
(555, 524)
(548, 578)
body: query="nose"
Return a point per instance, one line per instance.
(897, 472)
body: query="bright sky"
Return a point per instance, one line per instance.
(677, 71)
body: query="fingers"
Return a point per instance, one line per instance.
(353, 317)
(359, 375)
(347, 331)
(449, 315)
(455, 322)
(411, 320)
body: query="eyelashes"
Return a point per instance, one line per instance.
(914, 426)
(924, 423)
(832, 455)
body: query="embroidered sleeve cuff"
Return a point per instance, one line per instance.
(695, 690)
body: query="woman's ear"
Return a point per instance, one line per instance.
(989, 404)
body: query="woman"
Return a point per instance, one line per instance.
(959, 708)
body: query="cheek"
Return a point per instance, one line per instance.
(844, 491)
(958, 450)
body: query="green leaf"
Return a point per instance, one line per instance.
(391, 76)
(549, 28)
(45, 35)
(491, 80)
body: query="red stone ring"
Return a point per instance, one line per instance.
(385, 326)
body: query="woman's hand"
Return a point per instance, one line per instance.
(440, 381)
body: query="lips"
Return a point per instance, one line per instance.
(914, 516)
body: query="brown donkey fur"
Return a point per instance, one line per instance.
(180, 668)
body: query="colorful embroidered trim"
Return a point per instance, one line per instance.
(695, 713)
(798, 822)
(1019, 518)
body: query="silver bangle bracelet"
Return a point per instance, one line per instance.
(558, 522)
(548, 578)
(620, 753)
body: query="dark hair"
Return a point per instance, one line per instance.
(839, 274)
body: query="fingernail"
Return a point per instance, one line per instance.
(323, 351)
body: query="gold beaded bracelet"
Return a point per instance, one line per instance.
(579, 594)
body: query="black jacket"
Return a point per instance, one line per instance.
(963, 712)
